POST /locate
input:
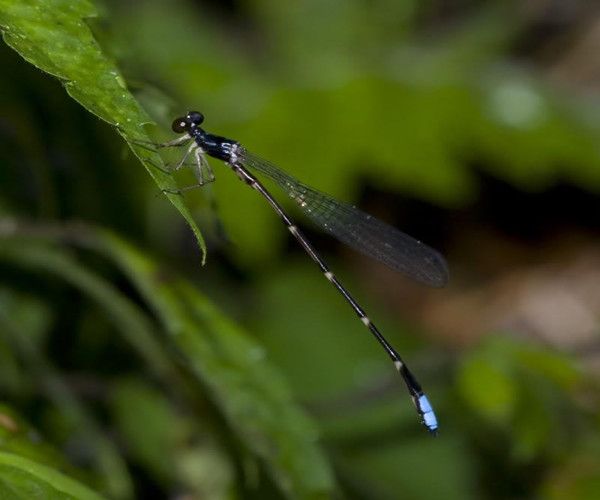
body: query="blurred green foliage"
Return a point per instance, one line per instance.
(117, 373)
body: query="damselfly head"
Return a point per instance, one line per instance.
(184, 123)
(179, 125)
(195, 117)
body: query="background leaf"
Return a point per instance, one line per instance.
(24, 478)
(256, 404)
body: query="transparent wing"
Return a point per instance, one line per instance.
(357, 229)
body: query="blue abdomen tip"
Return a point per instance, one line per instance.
(429, 418)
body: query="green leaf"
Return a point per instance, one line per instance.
(54, 36)
(78, 422)
(393, 468)
(552, 366)
(251, 394)
(19, 437)
(21, 478)
(135, 327)
(576, 477)
(153, 443)
(487, 387)
(521, 386)
(247, 390)
(170, 444)
(487, 382)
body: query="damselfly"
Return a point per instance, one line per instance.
(351, 226)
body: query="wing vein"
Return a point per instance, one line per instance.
(357, 229)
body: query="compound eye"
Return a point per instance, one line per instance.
(179, 125)
(195, 117)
